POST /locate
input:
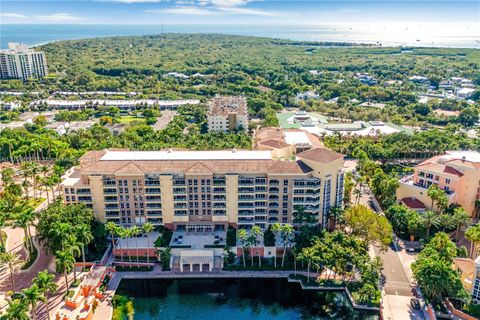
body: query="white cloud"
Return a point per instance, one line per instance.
(13, 15)
(212, 7)
(186, 10)
(59, 17)
(229, 3)
(246, 11)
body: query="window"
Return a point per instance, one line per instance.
(447, 181)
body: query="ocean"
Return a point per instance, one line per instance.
(427, 35)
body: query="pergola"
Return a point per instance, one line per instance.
(196, 257)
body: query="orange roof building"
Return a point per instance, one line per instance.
(456, 172)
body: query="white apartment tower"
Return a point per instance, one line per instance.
(228, 113)
(21, 62)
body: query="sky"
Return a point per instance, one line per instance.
(239, 12)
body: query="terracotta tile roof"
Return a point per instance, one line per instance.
(440, 168)
(199, 167)
(176, 166)
(131, 167)
(451, 170)
(320, 155)
(289, 167)
(274, 143)
(413, 203)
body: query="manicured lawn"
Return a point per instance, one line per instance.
(128, 119)
(35, 202)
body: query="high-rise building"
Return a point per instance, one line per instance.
(205, 190)
(21, 62)
(227, 113)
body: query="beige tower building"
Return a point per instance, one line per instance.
(227, 113)
(205, 190)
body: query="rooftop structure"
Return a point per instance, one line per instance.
(365, 78)
(21, 62)
(318, 125)
(305, 96)
(284, 143)
(205, 190)
(465, 93)
(227, 113)
(456, 172)
(446, 113)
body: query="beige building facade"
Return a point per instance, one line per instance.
(205, 191)
(456, 172)
(227, 113)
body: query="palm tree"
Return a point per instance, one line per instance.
(25, 168)
(258, 235)
(64, 263)
(445, 221)
(461, 218)
(276, 229)
(32, 296)
(432, 192)
(45, 282)
(112, 228)
(473, 235)
(430, 218)
(58, 233)
(357, 192)
(135, 232)
(308, 255)
(287, 238)
(72, 244)
(85, 236)
(10, 259)
(33, 171)
(23, 219)
(127, 233)
(17, 310)
(147, 228)
(242, 235)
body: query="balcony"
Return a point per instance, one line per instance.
(246, 190)
(246, 198)
(218, 182)
(245, 205)
(154, 205)
(110, 199)
(109, 191)
(219, 190)
(109, 183)
(152, 190)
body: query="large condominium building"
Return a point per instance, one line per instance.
(21, 62)
(456, 172)
(205, 190)
(227, 114)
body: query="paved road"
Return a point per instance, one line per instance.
(397, 282)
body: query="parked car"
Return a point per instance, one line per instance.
(415, 303)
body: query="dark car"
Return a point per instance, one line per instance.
(415, 303)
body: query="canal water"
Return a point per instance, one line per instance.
(234, 299)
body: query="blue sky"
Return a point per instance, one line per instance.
(238, 11)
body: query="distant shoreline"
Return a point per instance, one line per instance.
(37, 35)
